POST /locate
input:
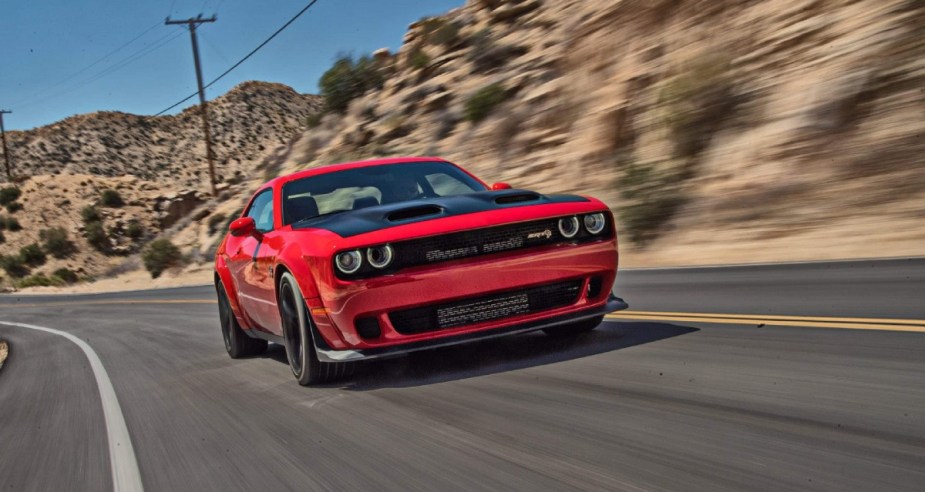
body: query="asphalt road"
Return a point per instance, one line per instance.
(635, 405)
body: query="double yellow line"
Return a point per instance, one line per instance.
(911, 325)
(908, 325)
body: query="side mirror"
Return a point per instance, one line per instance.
(500, 186)
(243, 226)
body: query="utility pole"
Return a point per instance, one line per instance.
(6, 151)
(204, 109)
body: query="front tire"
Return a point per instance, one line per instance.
(237, 343)
(300, 346)
(576, 328)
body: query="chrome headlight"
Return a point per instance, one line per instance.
(568, 226)
(595, 223)
(380, 256)
(349, 261)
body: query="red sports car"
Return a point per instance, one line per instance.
(373, 259)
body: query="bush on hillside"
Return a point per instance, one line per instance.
(696, 102)
(484, 101)
(96, 236)
(57, 243)
(13, 207)
(32, 255)
(653, 198)
(40, 280)
(160, 255)
(134, 230)
(418, 59)
(216, 221)
(9, 195)
(10, 224)
(348, 79)
(66, 274)
(14, 266)
(487, 55)
(111, 198)
(90, 214)
(314, 120)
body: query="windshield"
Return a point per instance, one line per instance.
(353, 189)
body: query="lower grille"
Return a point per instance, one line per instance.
(485, 308)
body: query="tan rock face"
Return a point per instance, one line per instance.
(768, 120)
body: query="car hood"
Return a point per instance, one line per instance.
(355, 222)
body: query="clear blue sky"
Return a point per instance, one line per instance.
(49, 48)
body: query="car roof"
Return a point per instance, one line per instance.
(330, 168)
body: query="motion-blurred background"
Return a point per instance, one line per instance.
(718, 131)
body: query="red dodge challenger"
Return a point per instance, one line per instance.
(372, 259)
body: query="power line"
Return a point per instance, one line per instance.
(119, 65)
(242, 60)
(96, 62)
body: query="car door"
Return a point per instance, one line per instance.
(251, 265)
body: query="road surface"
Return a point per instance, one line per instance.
(654, 402)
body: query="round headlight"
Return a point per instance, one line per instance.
(568, 226)
(595, 223)
(349, 261)
(380, 256)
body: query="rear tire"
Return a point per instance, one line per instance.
(576, 328)
(300, 346)
(237, 343)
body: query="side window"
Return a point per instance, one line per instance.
(446, 185)
(262, 211)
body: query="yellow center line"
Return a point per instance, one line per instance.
(751, 319)
(880, 321)
(107, 302)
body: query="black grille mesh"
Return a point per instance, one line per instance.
(485, 308)
(477, 242)
(481, 241)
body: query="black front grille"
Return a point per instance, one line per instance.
(485, 308)
(483, 241)
(477, 242)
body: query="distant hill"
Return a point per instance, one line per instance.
(247, 122)
(155, 164)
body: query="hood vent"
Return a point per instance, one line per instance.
(414, 213)
(527, 196)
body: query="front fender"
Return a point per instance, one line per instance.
(299, 264)
(292, 260)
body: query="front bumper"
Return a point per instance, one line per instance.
(325, 354)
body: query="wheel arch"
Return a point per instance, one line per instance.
(222, 275)
(291, 260)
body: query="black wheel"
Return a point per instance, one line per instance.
(576, 328)
(237, 343)
(300, 347)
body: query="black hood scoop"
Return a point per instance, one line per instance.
(371, 219)
(519, 197)
(416, 212)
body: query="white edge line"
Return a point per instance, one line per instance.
(125, 473)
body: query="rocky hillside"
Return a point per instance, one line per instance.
(720, 130)
(93, 189)
(247, 122)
